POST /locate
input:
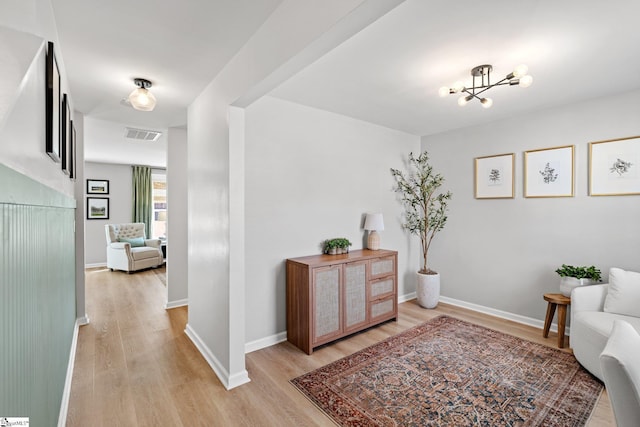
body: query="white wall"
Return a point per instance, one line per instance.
(177, 283)
(312, 175)
(503, 253)
(22, 132)
(120, 207)
(295, 35)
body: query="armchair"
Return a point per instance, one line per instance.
(129, 250)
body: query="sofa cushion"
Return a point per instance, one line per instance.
(144, 253)
(624, 293)
(135, 242)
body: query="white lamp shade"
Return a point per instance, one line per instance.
(143, 100)
(374, 222)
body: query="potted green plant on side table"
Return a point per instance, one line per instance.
(425, 215)
(572, 277)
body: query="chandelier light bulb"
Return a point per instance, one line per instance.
(526, 81)
(458, 86)
(520, 71)
(443, 91)
(463, 100)
(486, 102)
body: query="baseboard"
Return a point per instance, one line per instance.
(282, 336)
(96, 264)
(502, 314)
(265, 342)
(406, 297)
(83, 320)
(177, 303)
(66, 393)
(228, 381)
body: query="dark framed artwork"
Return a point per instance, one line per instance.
(66, 154)
(97, 208)
(97, 186)
(53, 105)
(74, 160)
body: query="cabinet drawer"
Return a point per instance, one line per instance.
(382, 287)
(383, 308)
(381, 267)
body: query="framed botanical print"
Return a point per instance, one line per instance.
(548, 172)
(614, 167)
(494, 177)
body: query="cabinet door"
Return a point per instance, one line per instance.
(355, 295)
(382, 267)
(326, 303)
(382, 288)
(383, 309)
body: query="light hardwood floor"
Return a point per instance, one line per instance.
(135, 366)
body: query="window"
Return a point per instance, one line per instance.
(159, 215)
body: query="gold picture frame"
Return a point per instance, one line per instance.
(549, 172)
(614, 167)
(495, 176)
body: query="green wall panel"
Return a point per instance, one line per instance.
(37, 297)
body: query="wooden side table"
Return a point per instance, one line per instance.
(561, 302)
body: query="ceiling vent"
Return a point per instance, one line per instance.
(142, 134)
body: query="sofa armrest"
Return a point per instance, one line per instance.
(589, 298)
(154, 243)
(125, 246)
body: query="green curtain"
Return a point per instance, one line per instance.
(142, 198)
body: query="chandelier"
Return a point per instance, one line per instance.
(518, 77)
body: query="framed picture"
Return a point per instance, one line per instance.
(495, 177)
(548, 172)
(614, 167)
(53, 105)
(97, 186)
(97, 208)
(66, 136)
(73, 152)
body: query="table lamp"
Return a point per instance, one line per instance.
(373, 223)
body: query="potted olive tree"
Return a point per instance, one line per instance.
(425, 215)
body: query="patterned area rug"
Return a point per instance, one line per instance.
(447, 372)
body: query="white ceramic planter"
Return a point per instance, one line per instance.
(428, 290)
(567, 284)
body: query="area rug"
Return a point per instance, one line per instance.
(447, 372)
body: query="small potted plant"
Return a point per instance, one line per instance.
(572, 277)
(336, 246)
(343, 245)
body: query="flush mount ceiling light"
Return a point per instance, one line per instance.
(518, 77)
(141, 99)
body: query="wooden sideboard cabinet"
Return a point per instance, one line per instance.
(331, 296)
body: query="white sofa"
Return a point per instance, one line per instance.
(129, 250)
(595, 308)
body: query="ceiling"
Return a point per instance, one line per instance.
(178, 46)
(388, 74)
(391, 71)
